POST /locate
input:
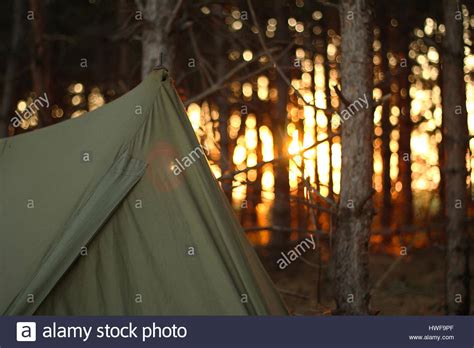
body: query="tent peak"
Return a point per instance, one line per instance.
(161, 71)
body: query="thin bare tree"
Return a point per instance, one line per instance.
(281, 209)
(406, 124)
(41, 59)
(222, 100)
(386, 36)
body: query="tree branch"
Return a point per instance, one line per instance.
(218, 84)
(261, 164)
(274, 62)
(173, 16)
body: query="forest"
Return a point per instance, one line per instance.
(340, 131)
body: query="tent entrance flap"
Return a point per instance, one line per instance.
(79, 231)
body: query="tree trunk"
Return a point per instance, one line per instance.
(355, 207)
(224, 111)
(455, 146)
(123, 48)
(406, 126)
(157, 46)
(328, 23)
(388, 41)
(281, 209)
(41, 61)
(386, 153)
(9, 77)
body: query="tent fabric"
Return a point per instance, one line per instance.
(97, 219)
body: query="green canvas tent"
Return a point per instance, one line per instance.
(96, 219)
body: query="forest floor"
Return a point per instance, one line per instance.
(408, 285)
